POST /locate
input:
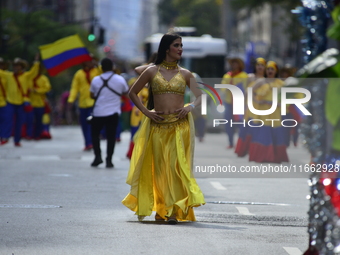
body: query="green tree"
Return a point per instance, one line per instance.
(205, 15)
(334, 31)
(26, 31)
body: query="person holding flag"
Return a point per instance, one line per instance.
(67, 52)
(17, 97)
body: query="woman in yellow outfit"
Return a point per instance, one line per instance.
(160, 172)
(268, 142)
(244, 138)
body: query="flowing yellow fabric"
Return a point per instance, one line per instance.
(160, 172)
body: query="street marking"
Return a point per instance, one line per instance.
(292, 250)
(42, 157)
(60, 175)
(57, 157)
(91, 157)
(218, 186)
(244, 211)
(48, 145)
(87, 158)
(246, 203)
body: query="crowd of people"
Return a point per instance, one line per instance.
(156, 108)
(24, 109)
(263, 140)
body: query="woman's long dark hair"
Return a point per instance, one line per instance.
(164, 45)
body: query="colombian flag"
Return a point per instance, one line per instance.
(64, 53)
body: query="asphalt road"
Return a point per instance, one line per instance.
(53, 202)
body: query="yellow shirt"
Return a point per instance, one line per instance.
(265, 93)
(228, 78)
(39, 87)
(14, 94)
(132, 81)
(46, 119)
(81, 86)
(135, 118)
(3, 89)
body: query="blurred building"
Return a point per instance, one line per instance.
(149, 21)
(127, 24)
(260, 33)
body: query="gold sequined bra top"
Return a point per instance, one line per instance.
(160, 85)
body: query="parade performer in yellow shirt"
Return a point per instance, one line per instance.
(3, 102)
(39, 86)
(17, 97)
(80, 89)
(238, 78)
(268, 143)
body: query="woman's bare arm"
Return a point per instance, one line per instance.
(191, 83)
(139, 84)
(141, 69)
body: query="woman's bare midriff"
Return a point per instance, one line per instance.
(168, 103)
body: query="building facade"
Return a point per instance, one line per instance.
(127, 24)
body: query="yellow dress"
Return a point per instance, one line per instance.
(160, 172)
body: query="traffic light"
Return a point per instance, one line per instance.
(91, 37)
(101, 38)
(94, 32)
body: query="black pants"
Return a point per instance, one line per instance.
(110, 123)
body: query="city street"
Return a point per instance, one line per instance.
(53, 203)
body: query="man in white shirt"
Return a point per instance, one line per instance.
(106, 89)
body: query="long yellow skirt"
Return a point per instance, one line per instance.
(160, 172)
